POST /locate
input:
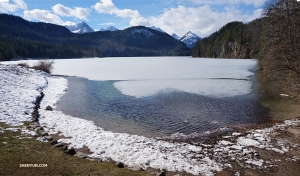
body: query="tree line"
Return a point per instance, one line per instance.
(273, 39)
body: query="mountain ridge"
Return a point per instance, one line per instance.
(45, 40)
(80, 28)
(190, 39)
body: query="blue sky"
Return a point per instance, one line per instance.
(202, 17)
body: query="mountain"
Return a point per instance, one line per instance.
(80, 28)
(110, 28)
(234, 40)
(24, 39)
(175, 36)
(157, 29)
(190, 39)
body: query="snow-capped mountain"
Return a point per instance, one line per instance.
(190, 39)
(157, 29)
(80, 28)
(109, 28)
(175, 36)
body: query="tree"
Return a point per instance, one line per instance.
(283, 34)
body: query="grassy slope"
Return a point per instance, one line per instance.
(30, 151)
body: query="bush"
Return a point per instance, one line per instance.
(23, 64)
(44, 65)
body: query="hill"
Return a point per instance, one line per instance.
(24, 39)
(273, 40)
(234, 40)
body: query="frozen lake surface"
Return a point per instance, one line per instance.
(160, 96)
(146, 76)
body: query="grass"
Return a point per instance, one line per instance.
(14, 151)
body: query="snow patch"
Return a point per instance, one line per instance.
(146, 32)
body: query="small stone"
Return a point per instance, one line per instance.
(120, 165)
(53, 142)
(34, 124)
(59, 145)
(81, 155)
(39, 128)
(49, 108)
(95, 159)
(71, 151)
(64, 147)
(162, 174)
(43, 133)
(136, 168)
(49, 138)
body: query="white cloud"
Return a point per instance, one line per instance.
(78, 12)
(105, 6)
(201, 20)
(108, 7)
(5, 6)
(107, 24)
(255, 3)
(45, 16)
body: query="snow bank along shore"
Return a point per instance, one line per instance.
(19, 88)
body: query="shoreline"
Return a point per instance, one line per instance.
(207, 158)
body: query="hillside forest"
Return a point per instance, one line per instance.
(21, 39)
(273, 39)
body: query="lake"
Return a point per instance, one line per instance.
(161, 96)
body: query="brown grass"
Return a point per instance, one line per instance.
(30, 151)
(44, 65)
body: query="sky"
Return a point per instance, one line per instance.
(202, 17)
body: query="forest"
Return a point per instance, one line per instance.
(273, 39)
(24, 39)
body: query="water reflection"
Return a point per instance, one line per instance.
(163, 114)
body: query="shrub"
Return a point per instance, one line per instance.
(44, 65)
(23, 64)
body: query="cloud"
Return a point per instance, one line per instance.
(255, 3)
(5, 6)
(201, 20)
(45, 16)
(108, 7)
(107, 24)
(105, 6)
(78, 12)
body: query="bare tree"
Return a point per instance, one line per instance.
(283, 33)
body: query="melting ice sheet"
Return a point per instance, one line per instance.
(146, 76)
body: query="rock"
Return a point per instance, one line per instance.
(120, 165)
(70, 151)
(64, 147)
(162, 174)
(39, 128)
(81, 155)
(95, 159)
(49, 138)
(43, 133)
(59, 145)
(53, 142)
(49, 108)
(136, 168)
(34, 115)
(34, 125)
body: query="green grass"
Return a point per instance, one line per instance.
(30, 151)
